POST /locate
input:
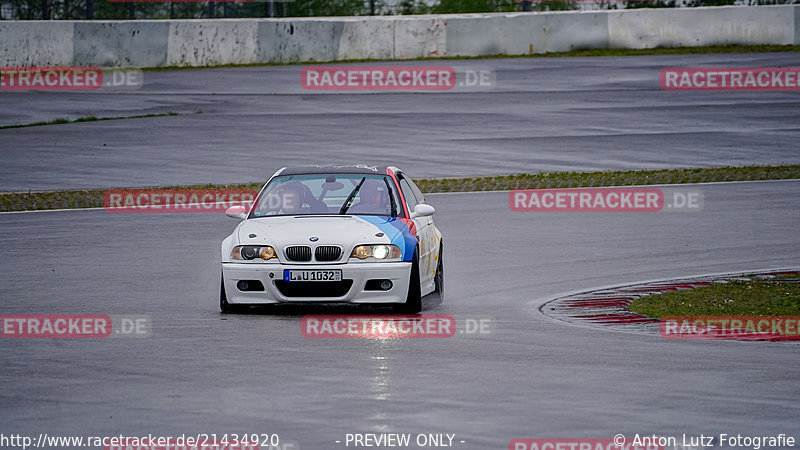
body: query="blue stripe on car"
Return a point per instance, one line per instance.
(397, 231)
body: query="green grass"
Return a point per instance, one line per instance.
(85, 119)
(27, 201)
(574, 53)
(755, 297)
(547, 180)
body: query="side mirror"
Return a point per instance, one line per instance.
(236, 212)
(422, 210)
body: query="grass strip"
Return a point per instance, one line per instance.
(93, 198)
(754, 297)
(85, 119)
(551, 180)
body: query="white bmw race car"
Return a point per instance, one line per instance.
(333, 234)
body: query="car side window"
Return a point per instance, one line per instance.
(415, 190)
(408, 193)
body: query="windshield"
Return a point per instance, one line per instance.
(355, 194)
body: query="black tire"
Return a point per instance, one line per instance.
(439, 278)
(224, 306)
(413, 302)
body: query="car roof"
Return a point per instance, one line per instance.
(345, 168)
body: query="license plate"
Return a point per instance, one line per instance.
(312, 275)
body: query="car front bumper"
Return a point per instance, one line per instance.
(276, 291)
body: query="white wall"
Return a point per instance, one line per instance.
(159, 43)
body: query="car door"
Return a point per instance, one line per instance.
(428, 241)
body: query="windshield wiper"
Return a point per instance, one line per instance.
(346, 204)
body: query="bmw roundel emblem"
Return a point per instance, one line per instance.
(313, 239)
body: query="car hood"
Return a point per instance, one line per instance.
(346, 231)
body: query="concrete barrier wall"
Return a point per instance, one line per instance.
(36, 43)
(797, 25)
(120, 44)
(159, 43)
(683, 27)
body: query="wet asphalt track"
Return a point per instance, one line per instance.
(544, 114)
(201, 372)
(532, 377)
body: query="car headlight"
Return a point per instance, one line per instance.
(382, 252)
(250, 252)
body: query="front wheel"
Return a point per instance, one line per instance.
(224, 306)
(413, 303)
(439, 277)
